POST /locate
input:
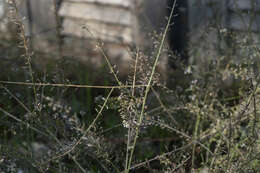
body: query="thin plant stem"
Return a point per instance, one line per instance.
(183, 134)
(163, 106)
(30, 20)
(73, 158)
(195, 135)
(17, 99)
(159, 156)
(58, 31)
(149, 86)
(26, 45)
(129, 128)
(99, 46)
(108, 63)
(84, 133)
(22, 122)
(70, 85)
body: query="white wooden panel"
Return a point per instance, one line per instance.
(105, 32)
(2, 10)
(123, 3)
(242, 21)
(97, 12)
(244, 4)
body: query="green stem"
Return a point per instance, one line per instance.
(140, 120)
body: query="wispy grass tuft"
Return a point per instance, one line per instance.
(208, 122)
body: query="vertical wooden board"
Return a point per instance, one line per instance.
(203, 12)
(43, 17)
(244, 5)
(244, 22)
(3, 19)
(121, 3)
(96, 30)
(154, 14)
(244, 15)
(91, 11)
(2, 9)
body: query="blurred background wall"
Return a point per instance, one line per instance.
(125, 24)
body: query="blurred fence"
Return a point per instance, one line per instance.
(123, 23)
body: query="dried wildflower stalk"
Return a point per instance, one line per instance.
(25, 42)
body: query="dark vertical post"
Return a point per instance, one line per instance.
(178, 33)
(56, 4)
(30, 21)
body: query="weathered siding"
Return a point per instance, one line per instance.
(39, 20)
(1, 9)
(206, 17)
(120, 3)
(120, 23)
(110, 20)
(244, 5)
(42, 17)
(2, 16)
(102, 31)
(97, 12)
(244, 15)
